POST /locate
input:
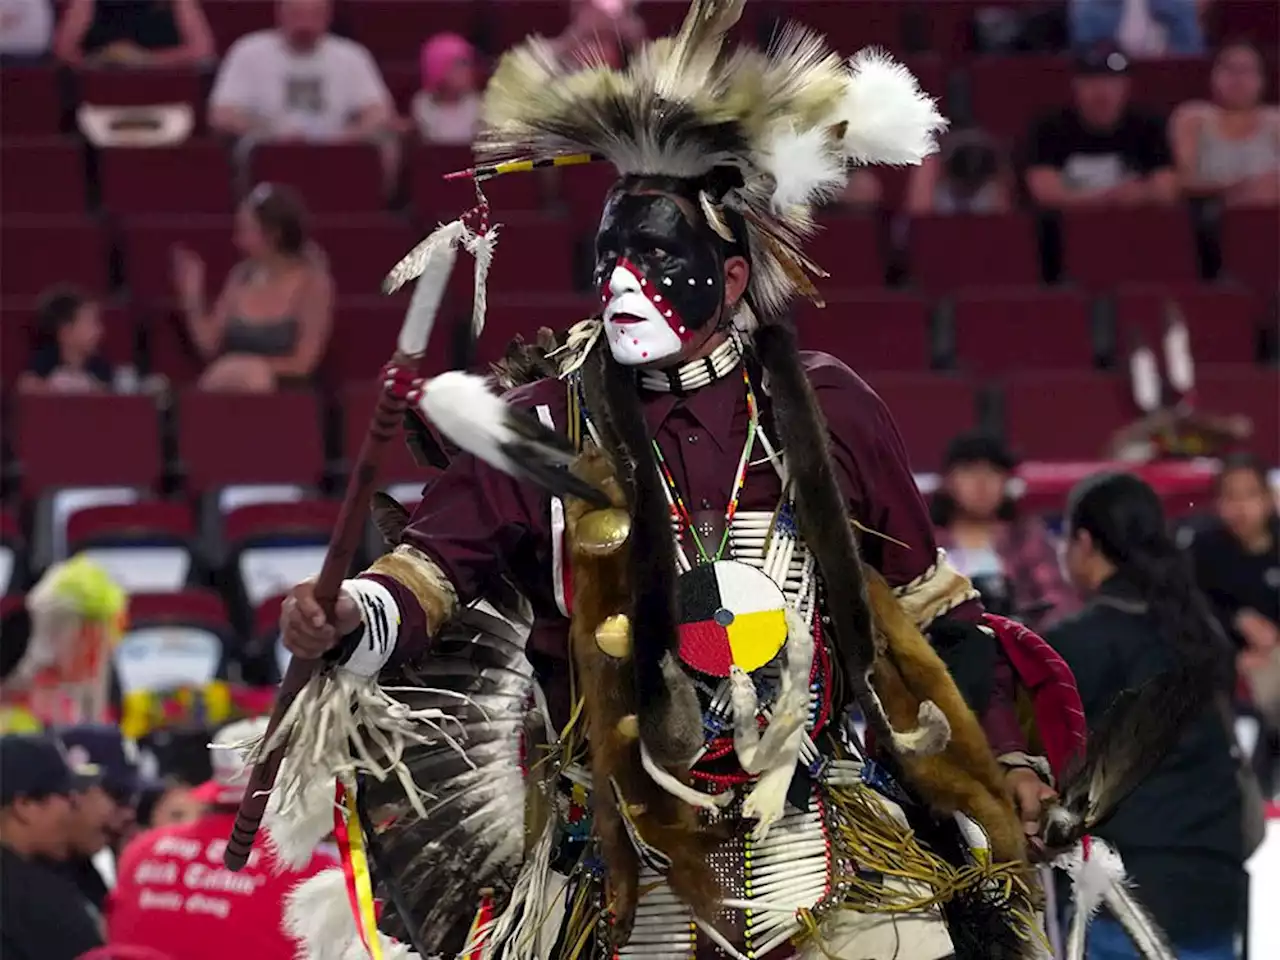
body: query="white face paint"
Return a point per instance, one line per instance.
(637, 331)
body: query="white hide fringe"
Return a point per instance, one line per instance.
(516, 933)
(340, 726)
(318, 916)
(890, 119)
(480, 246)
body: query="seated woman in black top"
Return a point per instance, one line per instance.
(134, 33)
(1180, 831)
(66, 358)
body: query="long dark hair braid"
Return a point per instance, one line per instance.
(1126, 521)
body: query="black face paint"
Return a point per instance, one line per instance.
(680, 260)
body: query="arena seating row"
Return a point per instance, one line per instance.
(541, 253)
(982, 332)
(211, 442)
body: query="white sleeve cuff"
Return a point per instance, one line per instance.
(381, 616)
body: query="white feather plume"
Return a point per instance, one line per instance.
(890, 119)
(1092, 876)
(805, 167)
(318, 916)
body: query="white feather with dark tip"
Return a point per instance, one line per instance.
(468, 412)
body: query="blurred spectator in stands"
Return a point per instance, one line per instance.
(969, 175)
(271, 323)
(300, 82)
(134, 33)
(66, 358)
(1143, 28)
(26, 28)
(1237, 561)
(447, 108)
(1012, 560)
(1100, 151)
(155, 871)
(105, 811)
(601, 31)
(1229, 146)
(42, 915)
(1181, 830)
(167, 804)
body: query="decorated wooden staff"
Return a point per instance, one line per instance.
(431, 262)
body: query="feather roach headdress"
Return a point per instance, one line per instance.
(782, 127)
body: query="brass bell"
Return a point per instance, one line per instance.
(613, 637)
(629, 727)
(603, 532)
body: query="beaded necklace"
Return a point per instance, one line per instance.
(680, 512)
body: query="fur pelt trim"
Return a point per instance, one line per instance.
(602, 587)
(965, 776)
(670, 718)
(936, 592)
(803, 432)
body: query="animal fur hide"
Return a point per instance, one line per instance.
(602, 589)
(965, 776)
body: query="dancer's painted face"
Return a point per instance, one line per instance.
(659, 276)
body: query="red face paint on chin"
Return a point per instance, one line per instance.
(660, 303)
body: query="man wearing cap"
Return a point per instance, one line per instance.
(42, 914)
(102, 813)
(1100, 150)
(175, 897)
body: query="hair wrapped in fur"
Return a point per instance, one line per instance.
(789, 120)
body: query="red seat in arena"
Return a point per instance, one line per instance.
(1223, 321)
(583, 190)
(1250, 390)
(1103, 248)
(871, 23)
(394, 30)
(512, 315)
(231, 21)
(1009, 93)
(30, 102)
(99, 441)
(876, 331)
(950, 252)
(433, 197)
(361, 251)
(1001, 331)
(1162, 84)
(36, 254)
(193, 178)
(1251, 247)
(1061, 415)
(42, 177)
(277, 544)
(929, 410)
(146, 547)
(358, 402)
(848, 248)
(227, 439)
(663, 17)
(202, 608)
(111, 87)
(148, 253)
(540, 255)
(339, 178)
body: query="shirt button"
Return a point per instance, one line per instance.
(693, 438)
(706, 504)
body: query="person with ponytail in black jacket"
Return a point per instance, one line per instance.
(1180, 831)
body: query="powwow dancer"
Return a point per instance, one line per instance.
(615, 720)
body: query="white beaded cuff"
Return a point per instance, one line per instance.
(381, 616)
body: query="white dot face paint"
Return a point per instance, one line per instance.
(635, 328)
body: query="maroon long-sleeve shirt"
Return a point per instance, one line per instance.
(478, 523)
